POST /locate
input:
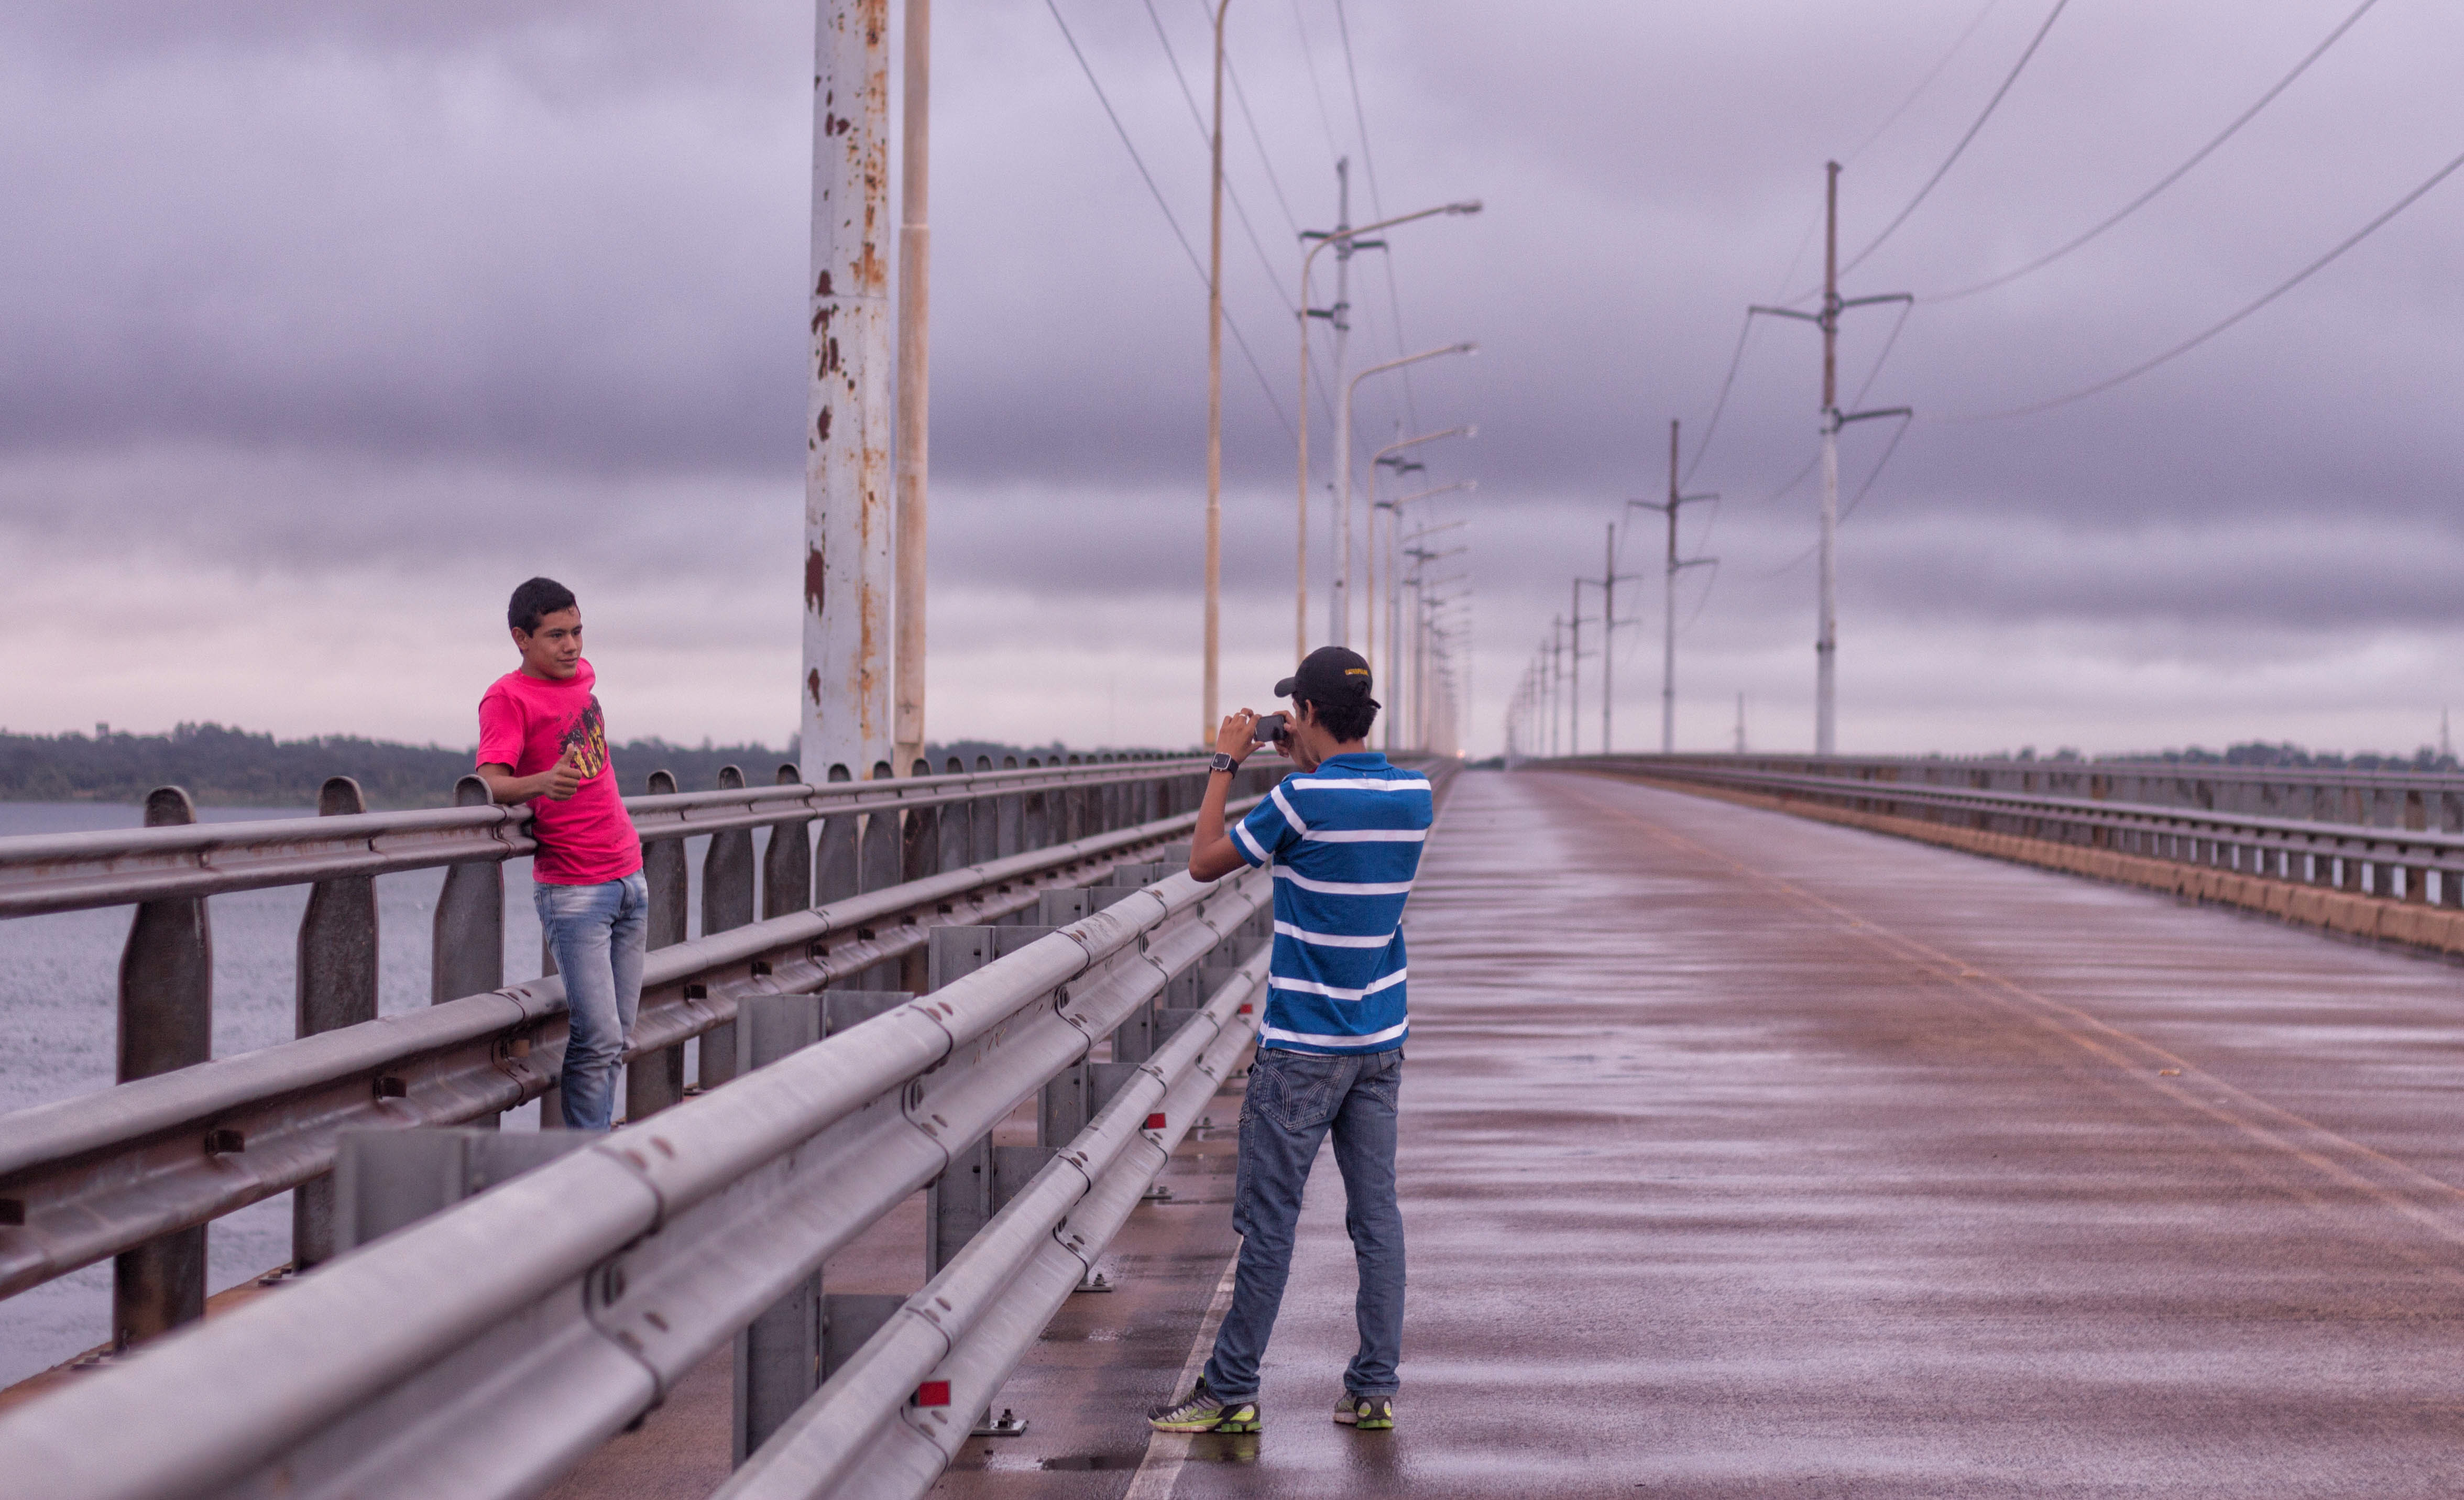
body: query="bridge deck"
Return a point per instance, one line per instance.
(1747, 1156)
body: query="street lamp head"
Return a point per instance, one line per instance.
(1466, 347)
(1467, 205)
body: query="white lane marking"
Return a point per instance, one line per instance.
(1159, 1472)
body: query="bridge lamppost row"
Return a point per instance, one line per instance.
(1339, 605)
(1347, 238)
(1393, 572)
(1391, 457)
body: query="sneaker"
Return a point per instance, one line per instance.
(1368, 1413)
(1203, 1411)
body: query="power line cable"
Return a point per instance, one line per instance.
(1923, 83)
(1317, 89)
(1207, 139)
(1991, 104)
(2197, 339)
(1850, 509)
(1377, 202)
(1815, 223)
(1720, 405)
(1195, 264)
(1240, 97)
(2177, 174)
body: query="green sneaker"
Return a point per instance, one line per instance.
(1368, 1413)
(1203, 1411)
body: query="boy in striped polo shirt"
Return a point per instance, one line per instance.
(1344, 834)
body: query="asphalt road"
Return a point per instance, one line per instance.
(1749, 1156)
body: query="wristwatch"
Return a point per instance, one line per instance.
(1223, 762)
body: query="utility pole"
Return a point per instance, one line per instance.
(1608, 580)
(914, 381)
(848, 516)
(1668, 601)
(1826, 640)
(1741, 723)
(1207, 720)
(1556, 678)
(1574, 674)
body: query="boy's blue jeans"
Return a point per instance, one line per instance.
(596, 933)
(1293, 1099)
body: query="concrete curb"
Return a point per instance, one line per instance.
(2411, 925)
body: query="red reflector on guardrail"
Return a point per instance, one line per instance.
(1247, 1008)
(1155, 1122)
(932, 1393)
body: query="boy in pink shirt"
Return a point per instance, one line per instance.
(544, 742)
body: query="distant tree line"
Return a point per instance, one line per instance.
(233, 767)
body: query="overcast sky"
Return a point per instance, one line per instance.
(322, 325)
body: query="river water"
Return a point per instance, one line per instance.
(59, 1004)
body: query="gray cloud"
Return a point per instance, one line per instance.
(299, 286)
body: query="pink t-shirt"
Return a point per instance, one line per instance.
(528, 723)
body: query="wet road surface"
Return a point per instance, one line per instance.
(1744, 1156)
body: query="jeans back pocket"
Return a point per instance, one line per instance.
(1301, 1090)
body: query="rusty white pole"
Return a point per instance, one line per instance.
(1208, 712)
(914, 385)
(848, 514)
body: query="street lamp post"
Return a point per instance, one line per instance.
(1340, 605)
(1393, 575)
(1391, 457)
(1346, 236)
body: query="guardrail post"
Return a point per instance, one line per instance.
(726, 903)
(337, 987)
(389, 1179)
(778, 1355)
(837, 873)
(787, 860)
(167, 1022)
(958, 828)
(985, 813)
(1035, 814)
(656, 1079)
(919, 859)
(879, 865)
(1009, 836)
(466, 950)
(882, 838)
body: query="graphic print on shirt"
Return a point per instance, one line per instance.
(586, 740)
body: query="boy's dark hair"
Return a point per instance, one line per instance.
(535, 598)
(1346, 721)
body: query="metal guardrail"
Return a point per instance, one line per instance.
(2413, 865)
(2409, 798)
(137, 1170)
(484, 1351)
(71, 871)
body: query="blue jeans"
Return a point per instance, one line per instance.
(1293, 1098)
(596, 933)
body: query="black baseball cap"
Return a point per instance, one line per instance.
(1331, 675)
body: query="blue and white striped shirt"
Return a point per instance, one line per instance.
(1344, 841)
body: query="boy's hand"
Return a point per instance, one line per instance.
(1234, 738)
(565, 776)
